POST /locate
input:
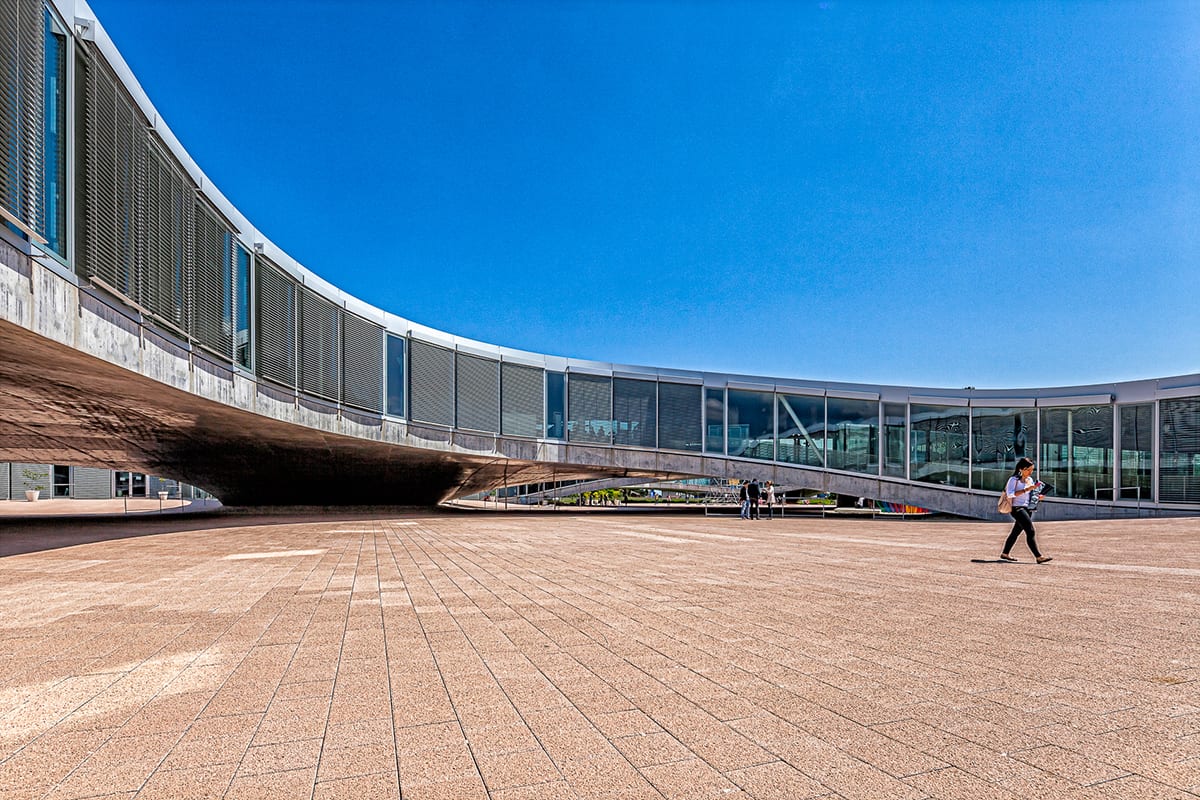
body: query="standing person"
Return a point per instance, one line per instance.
(744, 496)
(1020, 488)
(770, 496)
(754, 492)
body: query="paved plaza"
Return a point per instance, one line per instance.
(543, 657)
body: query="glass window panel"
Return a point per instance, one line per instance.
(1077, 451)
(895, 435)
(241, 339)
(589, 406)
(54, 139)
(999, 436)
(852, 435)
(1136, 464)
(395, 376)
(1179, 451)
(635, 412)
(556, 405)
(751, 424)
(714, 420)
(801, 430)
(679, 409)
(938, 445)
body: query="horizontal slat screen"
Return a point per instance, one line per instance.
(477, 385)
(522, 400)
(319, 351)
(431, 383)
(635, 412)
(362, 367)
(679, 410)
(275, 317)
(589, 408)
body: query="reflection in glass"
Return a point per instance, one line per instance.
(999, 436)
(635, 412)
(556, 405)
(714, 420)
(801, 429)
(938, 445)
(852, 435)
(751, 424)
(1137, 464)
(395, 376)
(1179, 454)
(895, 438)
(1077, 451)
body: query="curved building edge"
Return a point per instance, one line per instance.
(460, 384)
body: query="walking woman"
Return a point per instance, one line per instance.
(1020, 486)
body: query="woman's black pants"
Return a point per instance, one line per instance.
(1022, 522)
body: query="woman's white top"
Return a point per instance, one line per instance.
(1015, 483)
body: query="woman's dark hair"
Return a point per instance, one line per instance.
(1022, 463)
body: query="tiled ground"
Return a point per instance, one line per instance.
(558, 656)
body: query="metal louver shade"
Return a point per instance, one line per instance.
(362, 363)
(679, 413)
(477, 384)
(319, 351)
(635, 412)
(431, 383)
(589, 408)
(275, 318)
(22, 115)
(522, 391)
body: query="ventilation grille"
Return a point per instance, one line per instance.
(276, 317)
(431, 390)
(362, 378)
(589, 408)
(91, 483)
(521, 392)
(679, 417)
(318, 346)
(478, 383)
(5, 470)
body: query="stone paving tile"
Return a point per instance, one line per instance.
(551, 657)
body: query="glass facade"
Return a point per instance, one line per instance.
(1179, 451)
(241, 332)
(53, 224)
(895, 439)
(801, 429)
(1135, 480)
(999, 436)
(589, 409)
(556, 405)
(714, 420)
(394, 353)
(635, 412)
(852, 435)
(679, 416)
(751, 424)
(1077, 452)
(938, 445)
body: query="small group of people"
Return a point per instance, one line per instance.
(1025, 494)
(752, 495)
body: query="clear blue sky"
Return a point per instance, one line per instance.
(946, 194)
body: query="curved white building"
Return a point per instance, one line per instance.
(146, 324)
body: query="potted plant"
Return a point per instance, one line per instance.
(33, 479)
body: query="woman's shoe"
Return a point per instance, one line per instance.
(1006, 557)
(1044, 559)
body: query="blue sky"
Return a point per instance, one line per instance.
(943, 194)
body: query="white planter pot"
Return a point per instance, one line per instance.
(32, 494)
